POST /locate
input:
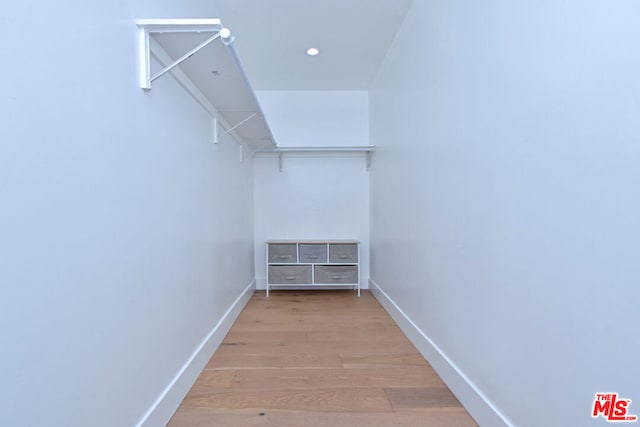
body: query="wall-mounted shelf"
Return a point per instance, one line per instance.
(200, 55)
(367, 150)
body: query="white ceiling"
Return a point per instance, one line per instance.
(272, 36)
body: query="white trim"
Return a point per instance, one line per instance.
(476, 403)
(328, 149)
(261, 284)
(165, 406)
(181, 25)
(354, 149)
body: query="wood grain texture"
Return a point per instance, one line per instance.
(318, 358)
(208, 417)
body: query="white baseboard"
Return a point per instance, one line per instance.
(165, 406)
(261, 283)
(478, 406)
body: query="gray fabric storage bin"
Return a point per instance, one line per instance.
(290, 274)
(313, 252)
(343, 253)
(338, 274)
(283, 252)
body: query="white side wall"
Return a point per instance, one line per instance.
(125, 234)
(505, 201)
(316, 196)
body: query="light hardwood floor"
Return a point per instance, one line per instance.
(318, 358)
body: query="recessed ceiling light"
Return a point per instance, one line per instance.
(312, 51)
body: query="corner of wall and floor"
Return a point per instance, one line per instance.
(169, 400)
(478, 406)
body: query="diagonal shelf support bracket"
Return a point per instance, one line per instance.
(183, 58)
(148, 27)
(158, 49)
(237, 125)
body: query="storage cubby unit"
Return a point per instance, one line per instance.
(313, 263)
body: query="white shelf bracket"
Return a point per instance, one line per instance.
(237, 125)
(369, 160)
(280, 161)
(183, 58)
(196, 38)
(214, 130)
(147, 27)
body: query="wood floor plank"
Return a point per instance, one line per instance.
(391, 336)
(345, 399)
(307, 347)
(266, 359)
(278, 379)
(318, 358)
(273, 336)
(383, 360)
(207, 417)
(421, 398)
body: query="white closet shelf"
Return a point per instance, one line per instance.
(210, 70)
(328, 149)
(366, 149)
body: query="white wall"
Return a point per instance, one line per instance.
(314, 197)
(317, 118)
(125, 234)
(505, 201)
(320, 195)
